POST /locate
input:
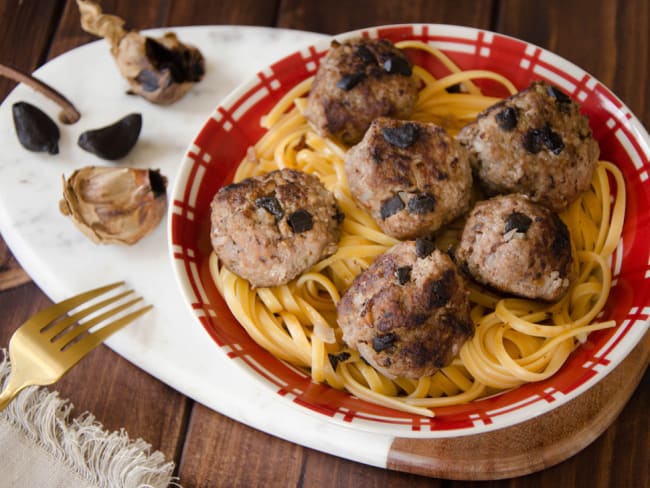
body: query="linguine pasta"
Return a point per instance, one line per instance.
(516, 340)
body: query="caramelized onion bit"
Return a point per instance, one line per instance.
(159, 69)
(115, 205)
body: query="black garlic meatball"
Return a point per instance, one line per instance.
(517, 246)
(411, 177)
(269, 229)
(535, 142)
(359, 80)
(408, 314)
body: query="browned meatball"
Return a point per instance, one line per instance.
(269, 229)
(536, 143)
(411, 176)
(518, 247)
(357, 81)
(408, 313)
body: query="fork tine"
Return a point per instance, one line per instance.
(38, 360)
(79, 349)
(52, 332)
(47, 315)
(69, 336)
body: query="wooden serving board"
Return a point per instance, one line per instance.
(530, 446)
(11, 274)
(166, 346)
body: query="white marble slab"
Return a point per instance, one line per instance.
(167, 342)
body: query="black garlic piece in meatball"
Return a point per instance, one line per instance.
(518, 247)
(271, 228)
(410, 176)
(535, 142)
(408, 314)
(359, 80)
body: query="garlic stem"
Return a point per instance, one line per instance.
(94, 21)
(69, 114)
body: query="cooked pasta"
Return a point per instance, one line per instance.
(516, 340)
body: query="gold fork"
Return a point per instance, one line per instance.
(51, 342)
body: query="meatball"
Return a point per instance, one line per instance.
(536, 143)
(408, 314)
(516, 246)
(412, 177)
(269, 229)
(357, 81)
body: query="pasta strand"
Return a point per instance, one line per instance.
(515, 341)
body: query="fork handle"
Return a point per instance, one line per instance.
(8, 394)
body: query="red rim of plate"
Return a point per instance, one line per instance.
(235, 125)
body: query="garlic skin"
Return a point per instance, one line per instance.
(115, 205)
(160, 69)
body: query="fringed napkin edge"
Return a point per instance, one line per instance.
(105, 459)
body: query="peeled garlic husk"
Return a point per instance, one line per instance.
(160, 69)
(113, 205)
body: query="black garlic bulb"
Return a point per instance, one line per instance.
(160, 69)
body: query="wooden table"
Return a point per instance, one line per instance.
(608, 38)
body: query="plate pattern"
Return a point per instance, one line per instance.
(235, 125)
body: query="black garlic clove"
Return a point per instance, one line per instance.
(271, 205)
(561, 245)
(536, 139)
(507, 118)
(422, 203)
(440, 291)
(348, 82)
(423, 247)
(366, 54)
(553, 142)
(391, 206)
(114, 141)
(558, 94)
(300, 221)
(403, 274)
(384, 341)
(517, 221)
(533, 140)
(402, 136)
(397, 65)
(36, 131)
(336, 359)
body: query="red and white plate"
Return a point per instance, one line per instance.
(235, 125)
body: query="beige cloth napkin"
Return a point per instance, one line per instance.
(40, 446)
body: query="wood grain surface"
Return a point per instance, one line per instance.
(532, 445)
(607, 38)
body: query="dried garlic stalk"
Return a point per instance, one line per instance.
(159, 69)
(115, 205)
